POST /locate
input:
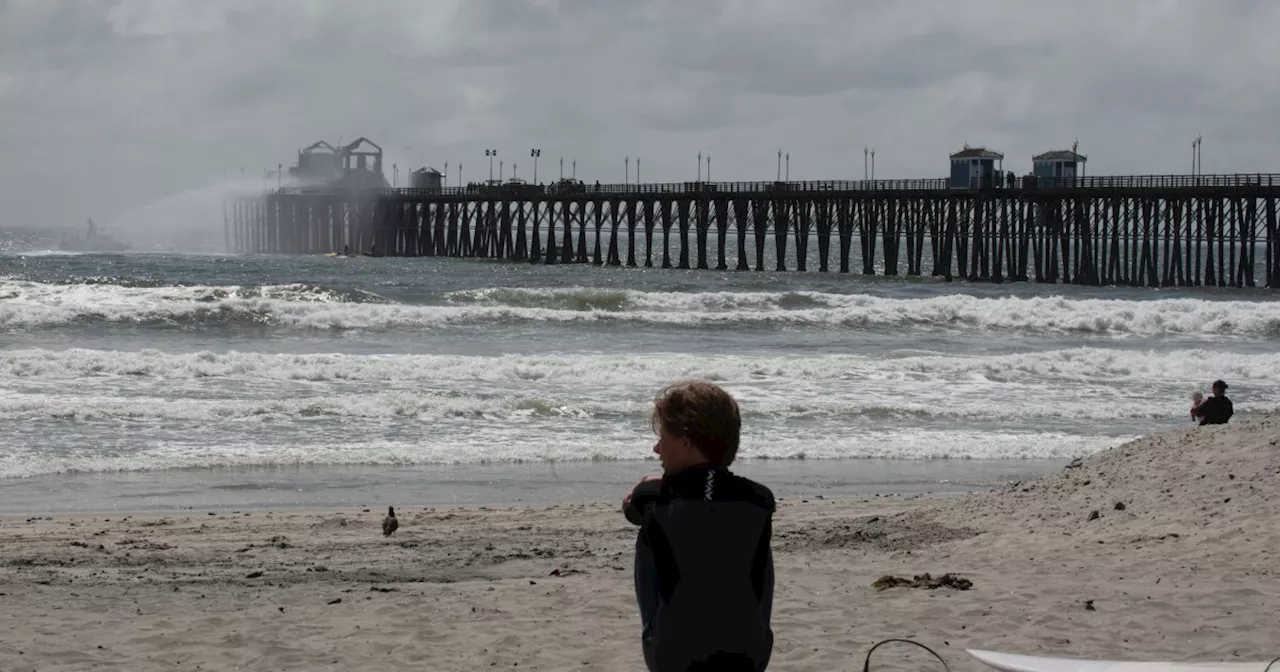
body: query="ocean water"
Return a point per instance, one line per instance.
(136, 381)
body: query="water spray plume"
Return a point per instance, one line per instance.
(191, 221)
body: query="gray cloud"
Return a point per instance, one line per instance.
(108, 105)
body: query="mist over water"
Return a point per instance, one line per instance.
(188, 222)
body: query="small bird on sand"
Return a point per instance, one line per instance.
(390, 524)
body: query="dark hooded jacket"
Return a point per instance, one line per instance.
(1215, 411)
(704, 571)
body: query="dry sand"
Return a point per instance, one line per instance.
(1187, 571)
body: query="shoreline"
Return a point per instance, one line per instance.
(1160, 549)
(303, 488)
(195, 516)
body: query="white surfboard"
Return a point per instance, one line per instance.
(1011, 662)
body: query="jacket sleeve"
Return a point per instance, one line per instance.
(645, 493)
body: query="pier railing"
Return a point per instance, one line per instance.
(1026, 182)
(1243, 180)
(646, 189)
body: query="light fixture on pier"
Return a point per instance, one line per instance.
(1195, 154)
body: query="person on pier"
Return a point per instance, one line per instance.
(703, 566)
(1215, 410)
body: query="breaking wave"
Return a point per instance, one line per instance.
(312, 307)
(1080, 365)
(240, 452)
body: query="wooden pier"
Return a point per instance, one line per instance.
(1155, 231)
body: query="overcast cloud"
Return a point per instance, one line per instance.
(107, 105)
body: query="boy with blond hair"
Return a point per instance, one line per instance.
(704, 567)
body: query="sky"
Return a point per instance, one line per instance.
(108, 105)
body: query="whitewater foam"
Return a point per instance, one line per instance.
(35, 305)
(514, 374)
(89, 410)
(1083, 364)
(486, 447)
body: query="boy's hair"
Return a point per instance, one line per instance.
(702, 412)
(1219, 384)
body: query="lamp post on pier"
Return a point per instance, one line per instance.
(1195, 155)
(637, 171)
(779, 164)
(708, 166)
(535, 153)
(490, 153)
(446, 174)
(788, 166)
(626, 170)
(699, 166)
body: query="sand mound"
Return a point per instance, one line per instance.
(1215, 480)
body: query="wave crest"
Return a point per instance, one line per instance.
(315, 307)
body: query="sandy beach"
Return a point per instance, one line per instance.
(1179, 562)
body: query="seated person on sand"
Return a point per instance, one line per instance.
(1215, 410)
(703, 567)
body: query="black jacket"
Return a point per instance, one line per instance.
(704, 571)
(1215, 411)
